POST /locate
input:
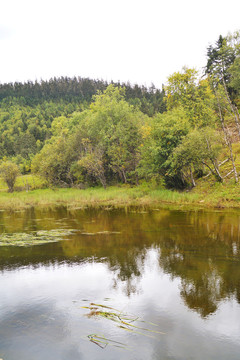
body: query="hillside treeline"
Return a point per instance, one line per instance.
(80, 90)
(82, 132)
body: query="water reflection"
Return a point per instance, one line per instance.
(158, 265)
(200, 248)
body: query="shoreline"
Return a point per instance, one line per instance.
(120, 197)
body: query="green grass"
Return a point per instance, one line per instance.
(208, 193)
(94, 197)
(70, 197)
(219, 195)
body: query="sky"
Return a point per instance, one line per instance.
(140, 41)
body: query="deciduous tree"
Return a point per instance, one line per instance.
(9, 172)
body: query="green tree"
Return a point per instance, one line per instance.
(113, 126)
(221, 57)
(200, 148)
(185, 89)
(93, 162)
(9, 172)
(235, 80)
(162, 136)
(54, 161)
(103, 141)
(220, 67)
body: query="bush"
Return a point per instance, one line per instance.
(9, 172)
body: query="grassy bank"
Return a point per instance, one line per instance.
(205, 195)
(112, 196)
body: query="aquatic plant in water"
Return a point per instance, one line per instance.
(123, 321)
(102, 341)
(34, 238)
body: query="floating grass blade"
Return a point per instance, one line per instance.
(135, 332)
(102, 341)
(141, 328)
(124, 322)
(104, 306)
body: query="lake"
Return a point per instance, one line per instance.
(124, 284)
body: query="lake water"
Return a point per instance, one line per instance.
(170, 272)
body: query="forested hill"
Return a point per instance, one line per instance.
(80, 90)
(28, 109)
(83, 132)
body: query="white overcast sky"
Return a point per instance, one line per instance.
(140, 41)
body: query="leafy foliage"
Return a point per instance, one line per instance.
(98, 143)
(198, 149)
(193, 95)
(9, 172)
(167, 132)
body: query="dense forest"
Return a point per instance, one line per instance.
(83, 132)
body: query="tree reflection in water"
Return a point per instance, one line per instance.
(201, 248)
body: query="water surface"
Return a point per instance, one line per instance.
(179, 270)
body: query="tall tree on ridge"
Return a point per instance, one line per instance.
(220, 60)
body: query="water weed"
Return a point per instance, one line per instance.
(123, 321)
(34, 238)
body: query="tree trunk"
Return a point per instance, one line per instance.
(233, 108)
(137, 182)
(219, 178)
(192, 178)
(124, 176)
(215, 163)
(227, 139)
(103, 181)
